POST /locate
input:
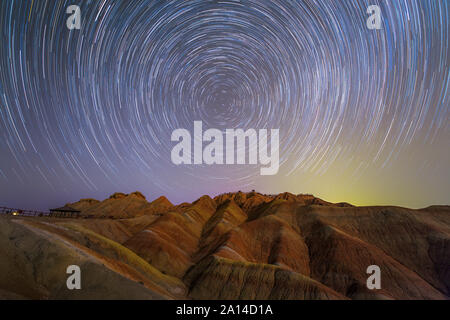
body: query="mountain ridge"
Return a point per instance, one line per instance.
(236, 246)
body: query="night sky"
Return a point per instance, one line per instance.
(363, 114)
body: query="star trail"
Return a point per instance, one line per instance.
(363, 114)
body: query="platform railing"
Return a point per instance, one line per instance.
(36, 213)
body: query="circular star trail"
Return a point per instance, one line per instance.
(90, 111)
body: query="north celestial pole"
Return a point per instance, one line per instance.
(363, 114)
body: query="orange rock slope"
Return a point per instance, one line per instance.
(245, 246)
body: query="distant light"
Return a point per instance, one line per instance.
(15, 213)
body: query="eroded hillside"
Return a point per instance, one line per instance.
(235, 246)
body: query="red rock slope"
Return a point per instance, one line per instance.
(242, 246)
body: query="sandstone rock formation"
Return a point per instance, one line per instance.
(121, 205)
(235, 246)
